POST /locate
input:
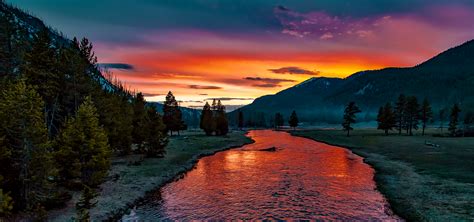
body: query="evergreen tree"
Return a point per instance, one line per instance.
(139, 120)
(468, 122)
(400, 107)
(350, 116)
(426, 114)
(7, 30)
(82, 148)
(279, 120)
(6, 202)
(116, 116)
(156, 139)
(240, 121)
(386, 118)
(40, 70)
(85, 204)
(293, 121)
(412, 114)
(453, 119)
(26, 163)
(222, 124)
(442, 118)
(207, 122)
(172, 116)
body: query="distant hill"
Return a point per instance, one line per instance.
(445, 79)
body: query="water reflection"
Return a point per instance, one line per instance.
(303, 179)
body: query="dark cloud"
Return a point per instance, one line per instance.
(268, 82)
(294, 70)
(267, 85)
(204, 87)
(122, 66)
(152, 94)
(203, 94)
(229, 98)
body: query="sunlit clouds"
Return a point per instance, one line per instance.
(246, 49)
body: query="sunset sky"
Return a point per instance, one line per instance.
(238, 50)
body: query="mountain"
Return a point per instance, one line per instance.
(445, 79)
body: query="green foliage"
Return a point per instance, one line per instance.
(400, 107)
(454, 119)
(155, 140)
(386, 118)
(82, 151)
(25, 152)
(139, 120)
(116, 117)
(350, 116)
(6, 202)
(293, 121)
(85, 203)
(172, 116)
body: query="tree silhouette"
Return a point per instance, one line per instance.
(293, 121)
(278, 120)
(240, 119)
(412, 114)
(386, 118)
(172, 116)
(207, 120)
(350, 116)
(426, 114)
(400, 107)
(453, 119)
(221, 122)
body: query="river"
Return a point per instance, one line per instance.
(302, 179)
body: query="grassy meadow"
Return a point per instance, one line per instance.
(131, 177)
(421, 182)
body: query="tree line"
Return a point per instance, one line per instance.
(277, 122)
(62, 120)
(214, 119)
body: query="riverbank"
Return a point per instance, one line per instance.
(132, 177)
(422, 183)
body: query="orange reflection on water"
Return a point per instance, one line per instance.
(303, 179)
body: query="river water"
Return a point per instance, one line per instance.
(302, 179)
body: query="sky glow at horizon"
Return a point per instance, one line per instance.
(239, 50)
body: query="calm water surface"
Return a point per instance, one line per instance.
(303, 179)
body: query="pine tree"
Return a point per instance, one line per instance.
(26, 164)
(240, 121)
(139, 120)
(207, 122)
(156, 139)
(412, 114)
(468, 122)
(293, 121)
(85, 204)
(442, 118)
(386, 118)
(426, 114)
(7, 30)
(172, 116)
(222, 124)
(350, 116)
(279, 120)
(453, 119)
(400, 107)
(82, 148)
(40, 70)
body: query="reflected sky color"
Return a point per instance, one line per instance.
(205, 49)
(303, 179)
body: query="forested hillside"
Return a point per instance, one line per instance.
(61, 119)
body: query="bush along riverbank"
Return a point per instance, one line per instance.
(421, 182)
(132, 177)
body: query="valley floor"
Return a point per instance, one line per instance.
(132, 177)
(422, 183)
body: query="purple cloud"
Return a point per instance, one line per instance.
(294, 70)
(203, 87)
